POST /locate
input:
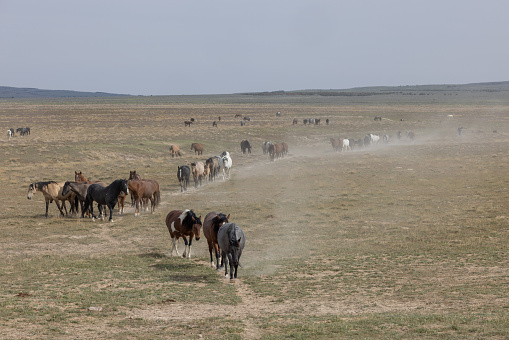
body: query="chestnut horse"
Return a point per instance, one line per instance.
(145, 189)
(211, 224)
(198, 148)
(182, 224)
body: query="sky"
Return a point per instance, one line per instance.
(167, 47)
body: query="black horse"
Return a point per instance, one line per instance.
(104, 195)
(183, 174)
(231, 240)
(245, 146)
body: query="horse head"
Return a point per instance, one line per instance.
(196, 224)
(32, 188)
(124, 187)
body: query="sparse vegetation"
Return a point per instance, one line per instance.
(404, 240)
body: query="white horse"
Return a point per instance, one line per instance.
(345, 145)
(374, 138)
(227, 164)
(9, 134)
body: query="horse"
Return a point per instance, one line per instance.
(231, 240)
(198, 170)
(271, 150)
(104, 195)
(12, 131)
(9, 134)
(378, 118)
(246, 118)
(211, 224)
(410, 135)
(213, 164)
(183, 174)
(238, 115)
(295, 121)
(285, 148)
(214, 124)
(311, 121)
(317, 121)
(188, 123)
(352, 143)
(144, 189)
(265, 146)
(79, 189)
(335, 143)
(371, 139)
(327, 121)
(52, 191)
(242, 123)
(278, 150)
(245, 147)
(345, 144)
(198, 148)
(278, 114)
(227, 164)
(181, 224)
(305, 121)
(386, 138)
(174, 150)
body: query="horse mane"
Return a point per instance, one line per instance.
(44, 183)
(232, 235)
(218, 218)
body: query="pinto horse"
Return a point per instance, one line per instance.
(211, 224)
(231, 240)
(104, 195)
(182, 224)
(144, 189)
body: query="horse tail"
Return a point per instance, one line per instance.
(158, 198)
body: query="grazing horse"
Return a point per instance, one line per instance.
(378, 118)
(245, 146)
(227, 164)
(188, 123)
(52, 191)
(238, 115)
(144, 189)
(174, 150)
(335, 143)
(9, 134)
(231, 240)
(183, 174)
(198, 170)
(181, 224)
(104, 195)
(211, 224)
(214, 124)
(213, 165)
(198, 148)
(295, 121)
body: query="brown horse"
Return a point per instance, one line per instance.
(188, 123)
(174, 150)
(336, 144)
(198, 148)
(52, 191)
(279, 150)
(145, 189)
(182, 224)
(213, 164)
(211, 224)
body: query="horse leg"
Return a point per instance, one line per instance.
(137, 209)
(231, 265)
(186, 253)
(152, 205)
(59, 208)
(225, 258)
(210, 252)
(174, 246)
(111, 206)
(218, 256)
(47, 205)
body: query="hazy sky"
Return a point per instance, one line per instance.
(213, 46)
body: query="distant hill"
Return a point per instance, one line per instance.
(383, 90)
(18, 92)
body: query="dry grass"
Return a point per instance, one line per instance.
(402, 240)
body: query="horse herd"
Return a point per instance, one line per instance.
(344, 144)
(226, 239)
(22, 132)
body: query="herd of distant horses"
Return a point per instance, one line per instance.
(225, 240)
(23, 131)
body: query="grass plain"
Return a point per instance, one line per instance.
(400, 240)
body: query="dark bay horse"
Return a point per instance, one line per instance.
(145, 189)
(182, 224)
(79, 189)
(104, 195)
(183, 175)
(231, 240)
(213, 164)
(211, 224)
(245, 146)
